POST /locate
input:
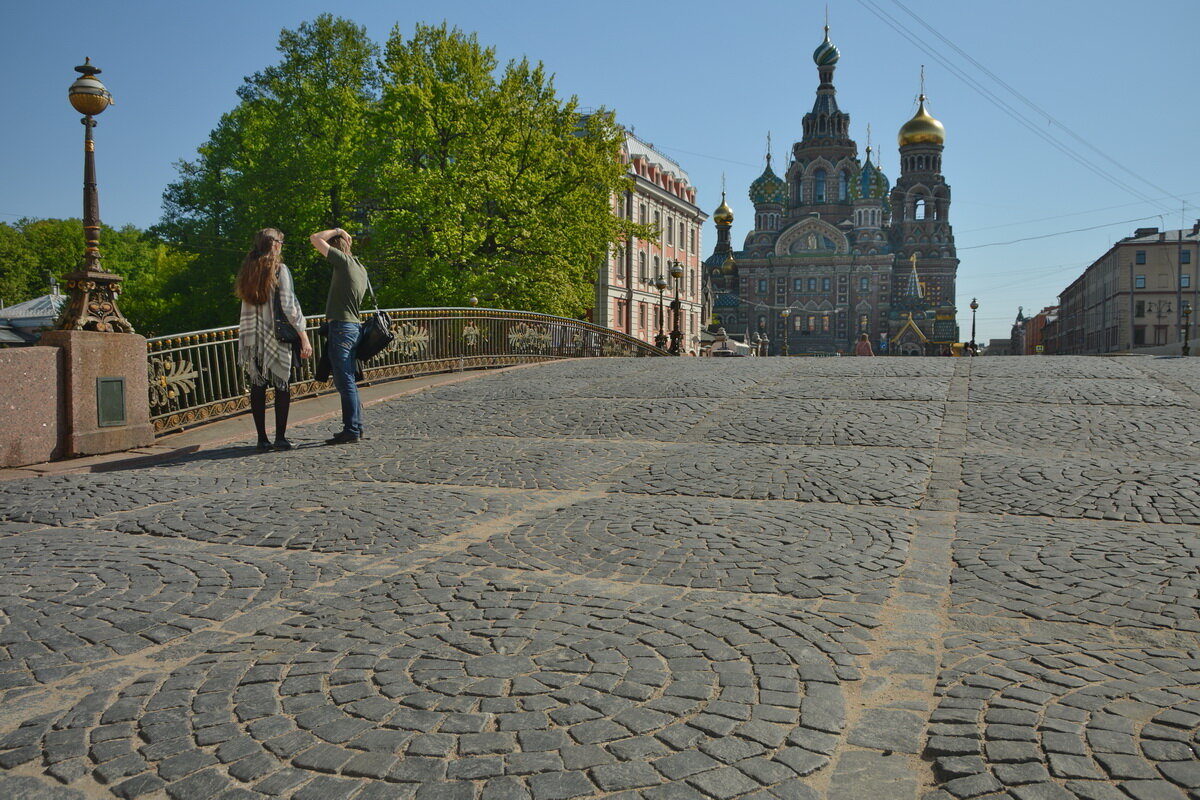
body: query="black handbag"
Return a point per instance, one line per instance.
(284, 331)
(376, 331)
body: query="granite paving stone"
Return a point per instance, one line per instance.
(633, 579)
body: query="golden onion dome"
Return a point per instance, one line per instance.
(729, 265)
(724, 214)
(922, 129)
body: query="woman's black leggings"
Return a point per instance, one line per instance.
(258, 410)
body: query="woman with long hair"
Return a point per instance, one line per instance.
(263, 281)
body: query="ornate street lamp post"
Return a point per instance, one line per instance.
(1187, 328)
(783, 343)
(660, 341)
(677, 310)
(92, 292)
(974, 308)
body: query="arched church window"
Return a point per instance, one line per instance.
(919, 208)
(844, 186)
(819, 186)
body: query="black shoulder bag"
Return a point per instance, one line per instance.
(284, 331)
(376, 331)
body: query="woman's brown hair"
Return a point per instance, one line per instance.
(259, 274)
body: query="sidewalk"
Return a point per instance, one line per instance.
(239, 428)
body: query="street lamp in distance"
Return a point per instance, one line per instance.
(783, 343)
(660, 340)
(677, 310)
(974, 308)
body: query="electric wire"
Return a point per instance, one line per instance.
(1013, 113)
(1036, 108)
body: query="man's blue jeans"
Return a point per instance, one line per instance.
(343, 341)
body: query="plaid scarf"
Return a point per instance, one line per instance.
(265, 358)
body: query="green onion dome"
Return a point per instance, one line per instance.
(827, 54)
(768, 188)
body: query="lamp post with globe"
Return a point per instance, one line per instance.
(92, 292)
(974, 308)
(660, 340)
(676, 310)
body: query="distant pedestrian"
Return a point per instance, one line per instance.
(863, 346)
(264, 284)
(347, 284)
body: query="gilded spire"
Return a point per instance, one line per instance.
(922, 128)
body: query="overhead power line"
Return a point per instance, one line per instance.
(1015, 114)
(1060, 233)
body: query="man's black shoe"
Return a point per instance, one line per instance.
(342, 438)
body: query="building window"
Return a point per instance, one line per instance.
(658, 223)
(825, 284)
(641, 315)
(819, 186)
(1160, 334)
(1139, 282)
(681, 234)
(762, 322)
(825, 323)
(692, 238)
(844, 186)
(798, 285)
(864, 284)
(762, 285)
(1139, 257)
(620, 264)
(1185, 257)
(657, 268)
(1185, 281)
(643, 276)
(812, 284)
(798, 322)
(1139, 334)
(812, 324)
(642, 213)
(670, 233)
(1139, 308)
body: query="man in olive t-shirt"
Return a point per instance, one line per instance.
(346, 287)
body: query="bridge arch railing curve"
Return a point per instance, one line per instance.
(195, 377)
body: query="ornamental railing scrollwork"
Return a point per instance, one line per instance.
(195, 377)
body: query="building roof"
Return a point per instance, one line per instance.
(1154, 235)
(48, 305)
(635, 147)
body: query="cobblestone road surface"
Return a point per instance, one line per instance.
(852, 579)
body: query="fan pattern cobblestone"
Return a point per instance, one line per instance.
(634, 579)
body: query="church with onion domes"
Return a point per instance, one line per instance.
(836, 251)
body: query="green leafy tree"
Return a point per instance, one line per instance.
(34, 251)
(460, 178)
(288, 155)
(487, 183)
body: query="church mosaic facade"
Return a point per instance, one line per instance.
(836, 251)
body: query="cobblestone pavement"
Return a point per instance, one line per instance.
(643, 579)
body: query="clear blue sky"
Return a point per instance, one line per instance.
(705, 82)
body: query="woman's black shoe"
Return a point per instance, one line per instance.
(282, 444)
(264, 446)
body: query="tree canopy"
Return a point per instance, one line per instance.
(458, 177)
(35, 251)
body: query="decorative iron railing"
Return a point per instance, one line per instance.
(195, 377)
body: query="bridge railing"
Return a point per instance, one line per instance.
(195, 377)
